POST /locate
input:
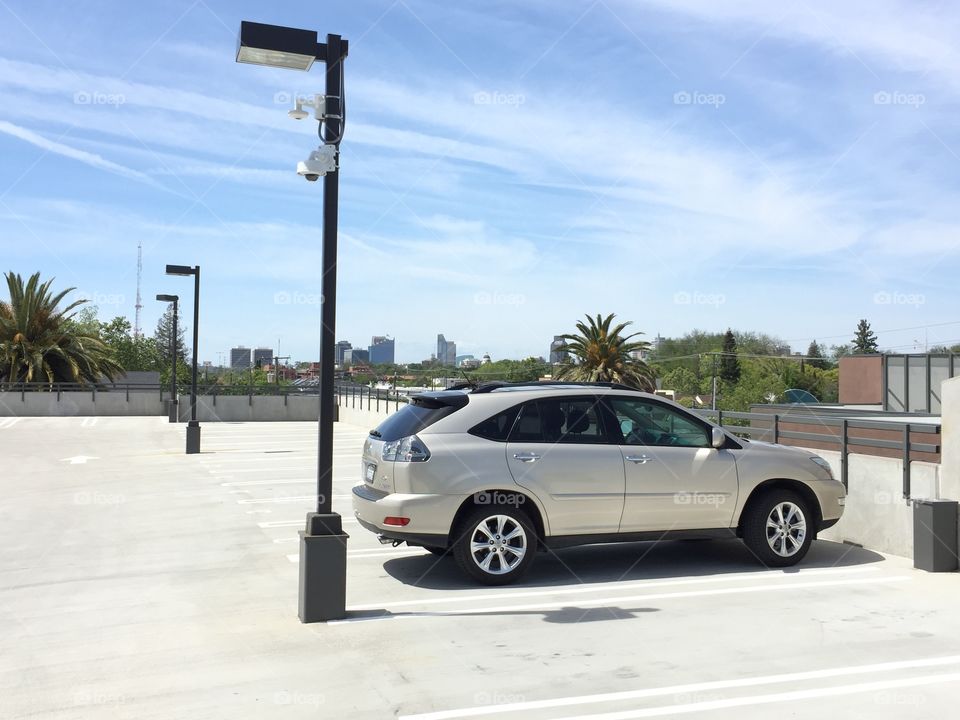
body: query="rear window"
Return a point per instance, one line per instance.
(416, 416)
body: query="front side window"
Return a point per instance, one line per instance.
(648, 423)
(560, 420)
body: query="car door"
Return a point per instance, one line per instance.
(559, 450)
(675, 479)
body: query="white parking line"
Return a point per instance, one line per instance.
(248, 483)
(292, 498)
(711, 686)
(295, 523)
(616, 586)
(616, 600)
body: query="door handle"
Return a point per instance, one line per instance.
(526, 457)
(638, 459)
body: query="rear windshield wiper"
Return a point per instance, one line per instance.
(375, 433)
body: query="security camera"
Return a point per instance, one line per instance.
(321, 161)
(317, 102)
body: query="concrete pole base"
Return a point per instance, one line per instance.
(193, 437)
(323, 569)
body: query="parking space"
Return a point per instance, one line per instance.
(138, 582)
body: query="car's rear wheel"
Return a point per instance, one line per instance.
(779, 528)
(495, 545)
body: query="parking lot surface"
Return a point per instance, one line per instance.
(139, 582)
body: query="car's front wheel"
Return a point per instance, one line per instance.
(495, 545)
(779, 528)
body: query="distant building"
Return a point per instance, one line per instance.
(462, 360)
(341, 348)
(240, 358)
(486, 359)
(262, 356)
(355, 355)
(442, 349)
(557, 355)
(381, 350)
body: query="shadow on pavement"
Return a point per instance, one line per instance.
(627, 561)
(564, 615)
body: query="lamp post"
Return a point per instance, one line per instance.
(174, 409)
(323, 544)
(193, 427)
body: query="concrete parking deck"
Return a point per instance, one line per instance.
(139, 582)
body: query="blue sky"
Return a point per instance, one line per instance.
(507, 167)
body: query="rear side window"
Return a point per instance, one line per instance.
(496, 427)
(410, 420)
(560, 420)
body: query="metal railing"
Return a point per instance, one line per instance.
(780, 428)
(161, 389)
(354, 396)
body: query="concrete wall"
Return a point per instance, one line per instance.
(46, 404)
(950, 439)
(861, 380)
(259, 408)
(232, 408)
(876, 515)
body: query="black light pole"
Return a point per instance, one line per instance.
(193, 427)
(174, 409)
(323, 544)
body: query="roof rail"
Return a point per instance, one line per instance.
(498, 384)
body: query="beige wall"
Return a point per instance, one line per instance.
(861, 380)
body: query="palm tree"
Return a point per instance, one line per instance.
(602, 354)
(39, 343)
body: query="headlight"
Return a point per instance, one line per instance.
(823, 463)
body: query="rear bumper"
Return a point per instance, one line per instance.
(430, 515)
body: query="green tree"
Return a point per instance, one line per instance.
(865, 340)
(164, 332)
(682, 380)
(131, 353)
(39, 343)
(601, 353)
(816, 358)
(729, 362)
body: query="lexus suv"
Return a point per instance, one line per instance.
(495, 473)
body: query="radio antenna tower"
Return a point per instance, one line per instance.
(136, 317)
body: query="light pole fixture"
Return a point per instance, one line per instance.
(193, 427)
(323, 544)
(174, 408)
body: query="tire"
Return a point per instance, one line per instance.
(779, 528)
(485, 555)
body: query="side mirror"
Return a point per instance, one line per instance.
(719, 438)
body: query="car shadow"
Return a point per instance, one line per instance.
(623, 562)
(564, 615)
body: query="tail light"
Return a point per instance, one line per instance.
(408, 449)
